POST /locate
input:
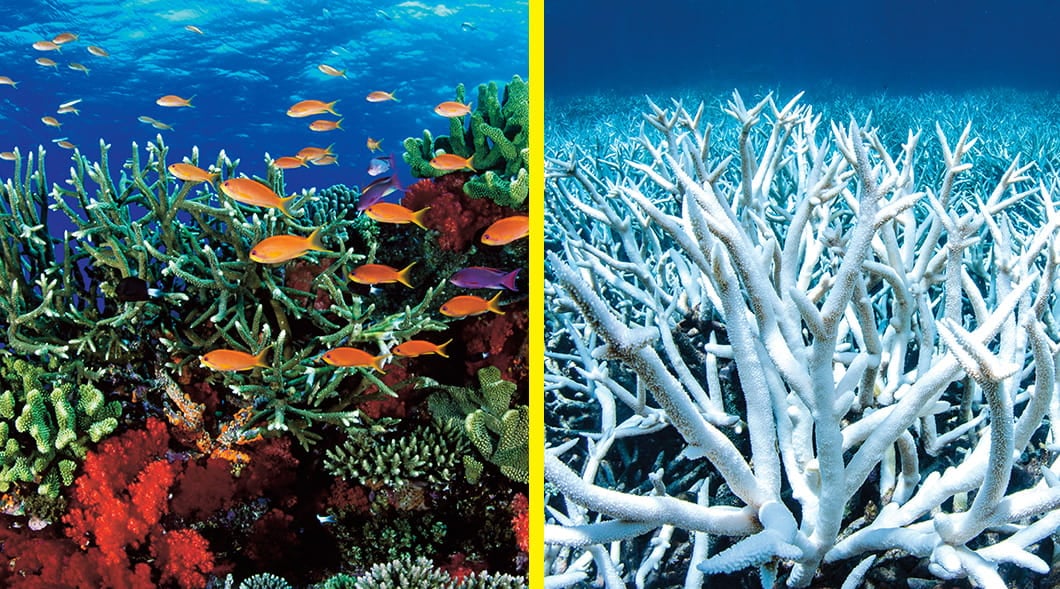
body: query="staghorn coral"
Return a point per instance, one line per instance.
(497, 138)
(422, 573)
(264, 581)
(393, 457)
(498, 431)
(46, 425)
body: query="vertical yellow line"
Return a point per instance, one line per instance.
(537, 284)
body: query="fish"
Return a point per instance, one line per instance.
(190, 173)
(386, 212)
(252, 192)
(375, 192)
(8, 155)
(352, 357)
(468, 26)
(380, 96)
(307, 108)
(326, 160)
(380, 165)
(383, 15)
(46, 46)
(62, 38)
(451, 162)
(482, 277)
(452, 109)
(161, 125)
(507, 230)
(233, 360)
(98, 51)
(173, 100)
(71, 103)
(372, 274)
(312, 153)
(63, 143)
(78, 67)
(6, 81)
(326, 519)
(470, 305)
(145, 119)
(281, 248)
(287, 162)
(46, 62)
(194, 29)
(51, 121)
(68, 109)
(327, 69)
(373, 144)
(325, 125)
(419, 347)
(132, 288)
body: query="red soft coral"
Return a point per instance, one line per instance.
(498, 340)
(204, 488)
(456, 217)
(520, 507)
(185, 557)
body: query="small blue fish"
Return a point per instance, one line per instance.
(482, 277)
(326, 519)
(380, 165)
(375, 192)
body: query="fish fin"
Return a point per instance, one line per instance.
(509, 280)
(395, 182)
(493, 305)
(377, 362)
(190, 99)
(283, 205)
(338, 125)
(315, 242)
(327, 149)
(403, 275)
(331, 109)
(417, 217)
(469, 166)
(441, 349)
(392, 95)
(259, 359)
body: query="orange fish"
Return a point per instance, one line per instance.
(325, 125)
(173, 100)
(326, 160)
(65, 144)
(452, 109)
(231, 360)
(98, 51)
(469, 305)
(312, 153)
(374, 144)
(386, 212)
(308, 108)
(67, 109)
(64, 38)
(46, 62)
(287, 162)
(280, 248)
(190, 173)
(353, 357)
(46, 46)
(7, 155)
(419, 347)
(381, 274)
(451, 162)
(327, 69)
(380, 96)
(507, 230)
(194, 29)
(252, 192)
(161, 125)
(51, 121)
(6, 81)
(78, 67)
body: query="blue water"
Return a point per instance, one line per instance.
(905, 46)
(255, 59)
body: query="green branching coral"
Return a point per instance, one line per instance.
(264, 581)
(498, 432)
(488, 580)
(421, 573)
(496, 137)
(392, 458)
(46, 424)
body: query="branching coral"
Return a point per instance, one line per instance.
(391, 458)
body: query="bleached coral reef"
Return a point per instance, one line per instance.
(788, 345)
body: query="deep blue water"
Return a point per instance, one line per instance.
(255, 59)
(906, 46)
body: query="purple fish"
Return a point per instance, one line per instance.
(380, 165)
(482, 277)
(377, 190)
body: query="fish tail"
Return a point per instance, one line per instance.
(377, 362)
(392, 96)
(403, 275)
(441, 349)
(259, 359)
(509, 280)
(331, 109)
(188, 101)
(327, 149)
(469, 166)
(417, 217)
(283, 205)
(315, 242)
(493, 305)
(338, 125)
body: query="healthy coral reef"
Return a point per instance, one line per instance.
(496, 138)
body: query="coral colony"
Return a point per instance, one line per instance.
(799, 349)
(208, 381)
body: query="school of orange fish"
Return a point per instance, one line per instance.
(283, 248)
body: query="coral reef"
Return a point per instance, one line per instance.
(786, 345)
(496, 138)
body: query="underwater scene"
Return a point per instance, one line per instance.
(802, 319)
(263, 303)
